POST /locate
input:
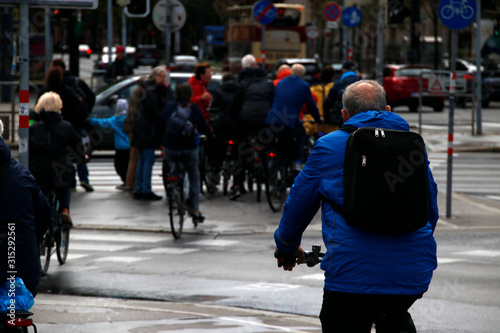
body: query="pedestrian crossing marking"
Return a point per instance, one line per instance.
(169, 250)
(319, 277)
(97, 247)
(442, 261)
(124, 238)
(214, 242)
(480, 253)
(268, 286)
(122, 259)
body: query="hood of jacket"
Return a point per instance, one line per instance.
(4, 151)
(50, 116)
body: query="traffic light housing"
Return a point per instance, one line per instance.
(137, 7)
(397, 12)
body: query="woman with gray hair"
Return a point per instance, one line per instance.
(148, 131)
(52, 141)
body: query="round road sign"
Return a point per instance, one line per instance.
(177, 16)
(351, 16)
(332, 11)
(264, 12)
(312, 32)
(457, 15)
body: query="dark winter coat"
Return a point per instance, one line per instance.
(70, 110)
(220, 109)
(148, 131)
(254, 96)
(332, 105)
(21, 203)
(53, 147)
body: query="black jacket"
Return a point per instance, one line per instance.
(71, 110)
(149, 131)
(119, 67)
(22, 203)
(220, 109)
(53, 147)
(254, 96)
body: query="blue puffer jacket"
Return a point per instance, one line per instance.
(357, 261)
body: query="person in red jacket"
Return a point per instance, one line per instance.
(199, 83)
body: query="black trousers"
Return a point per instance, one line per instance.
(355, 313)
(121, 163)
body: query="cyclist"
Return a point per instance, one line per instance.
(283, 117)
(368, 276)
(25, 215)
(182, 144)
(53, 146)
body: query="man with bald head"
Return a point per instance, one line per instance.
(370, 278)
(283, 118)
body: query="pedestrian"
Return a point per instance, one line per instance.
(24, 208)
(180, 142)
(119, 68)
(86, 101)
(332, 105)
(221, 121)
(369, 277)
(283, 118)
(122, 146)
(53, 148)
(136, 97)
(199, 83)
(250, 106)
(321, 91)
(282, 72)
(148, 131)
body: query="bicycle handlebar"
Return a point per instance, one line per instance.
(312, 258)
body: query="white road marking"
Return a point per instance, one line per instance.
(494, 197)
(122, 259)
(97, 247)
(268, 286)
(214, 242)
(169, 250)
(442, 261)
(480, 253)
(126, 238)
(319, 277)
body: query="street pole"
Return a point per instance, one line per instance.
(451, 120)
(48, 40)
(168, 36)
(24, 93)
(479, 87)
(380, 43)
(110, 32)
(124, 28)
(345, 45)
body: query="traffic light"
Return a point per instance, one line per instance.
(396, 11)
(137, 7)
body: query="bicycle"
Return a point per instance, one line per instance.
(312, 258)
(176, 183)
(18, 324)
(207, 176)
(255, 167)
(459, 8)
(57, 233)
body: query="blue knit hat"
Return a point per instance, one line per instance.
(121, 107)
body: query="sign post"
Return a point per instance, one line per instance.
(264, 12)
(456, 16)
(351, 17)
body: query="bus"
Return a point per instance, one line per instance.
(285, 37)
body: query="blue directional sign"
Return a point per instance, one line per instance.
(457, 15)
(264, 12)
(351, 16)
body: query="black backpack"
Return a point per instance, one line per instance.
(386, 185)
(179, 125)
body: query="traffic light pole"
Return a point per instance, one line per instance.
(24, 93)
(110, 32)
(168, 36)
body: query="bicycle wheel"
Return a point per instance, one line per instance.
(275, 186)
(176, 202)
(45, 250)
(62, 243)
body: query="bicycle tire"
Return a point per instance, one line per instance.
(45, 251)
(275, 186)
(62, 244)
(176, 211)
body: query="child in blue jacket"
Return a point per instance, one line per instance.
(122, 145)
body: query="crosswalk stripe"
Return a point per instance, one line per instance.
(97, 247)
(125, 238)
(168, 250)
(122, 259)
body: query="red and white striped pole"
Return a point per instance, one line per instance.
(451, 121)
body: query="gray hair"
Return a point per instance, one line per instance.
(1, 128)
(364, 95)
(157, 70)
(299, 70)
(248, 61)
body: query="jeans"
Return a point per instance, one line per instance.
(190, 162)
(144, 170)
(355, 313)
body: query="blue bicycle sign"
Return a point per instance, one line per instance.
(457, 14)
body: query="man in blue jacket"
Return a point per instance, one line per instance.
(368, 276)
(290, 95)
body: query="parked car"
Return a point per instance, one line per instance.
(147, 55)
(401, 84)
(84, 50)
(313, 72)
(490, 77)
(183, 63)
(107, 96)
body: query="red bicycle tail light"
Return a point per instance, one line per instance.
(271, 155)
(231, 142)
(172, 179)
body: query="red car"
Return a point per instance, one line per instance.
(401, 86)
